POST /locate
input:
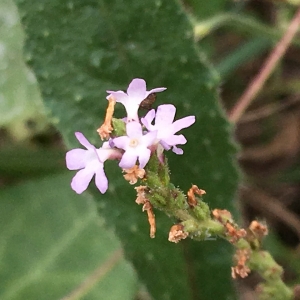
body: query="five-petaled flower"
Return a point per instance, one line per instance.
(165, 127)
(136, 93)
(89, 162)
(135, 145)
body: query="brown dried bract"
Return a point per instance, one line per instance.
(234, 233)
(106, 128)
(147, 102)
(241, 269)
(151, 217)
(141, 196)
(232, 230)
(141, 199)
(177, 233)
(133, 174)
(222, 215)
(258, 229)
(192, 201)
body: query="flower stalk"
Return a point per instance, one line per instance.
(139, 146)
(196, 221)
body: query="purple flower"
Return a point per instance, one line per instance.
(135, 145)
(136, 93)
(90, 163)
(165, 127)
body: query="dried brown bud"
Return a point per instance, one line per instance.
(222, 215)
(106, 128)
(147, 206)
(141, 196)
(147, 102)
(241, 269)
(177, 233)
(133, 174)
(151, 218)
(258, 229)
(192, 201)
(232, 230)
(234, 233)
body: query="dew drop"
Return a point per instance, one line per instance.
(166, 296)
(70, 5)
(149, 256)
(133, 228)
(217, 176)
(28, 57)
(41, 7)
(206, 142)
(158, 3)
(46, 33)
(78, 97)
(183, 59)
(96, 58)
(131, 46)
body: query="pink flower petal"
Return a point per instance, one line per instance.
(147, 120)
(121, 142)
(183, 123)
(175, 140)
(75, 159)
(101, 180)
(144, 158)
(119, 96)
(134, 129)
(82, 179)
(177, 150)
(83, 141)
(156, 90)
(128, 160)
(165, 115)
(137, 89)
(149, 138)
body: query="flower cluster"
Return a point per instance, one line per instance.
(152, 134)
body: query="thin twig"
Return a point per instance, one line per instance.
(268, 67)
(101, 271)
(271, 207)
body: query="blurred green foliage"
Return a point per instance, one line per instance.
(77, 51)
(20, 102)
(52, 240)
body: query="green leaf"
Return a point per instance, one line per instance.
(30, 162)
(21, 108)
(52, 241)
(79, 49)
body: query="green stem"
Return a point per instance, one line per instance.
(197, 222)
(240, 23)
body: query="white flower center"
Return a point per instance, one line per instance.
(133, 143)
